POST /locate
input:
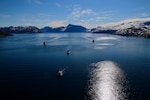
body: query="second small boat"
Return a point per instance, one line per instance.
(68, 52)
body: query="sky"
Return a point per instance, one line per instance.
(55, 13)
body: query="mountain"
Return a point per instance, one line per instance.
(103, 30)
(59, 29)
(138, 28)
(135, 31)
(147, 23)
(75, 28)
(69, 28)
(46, 29)
(34, 29)
(21, 29)
(2, 33)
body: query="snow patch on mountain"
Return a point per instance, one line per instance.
(132, 27)
(125, 24)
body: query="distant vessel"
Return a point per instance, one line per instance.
(93, 41)
(44, 43)
(68, 52)
(61, 73)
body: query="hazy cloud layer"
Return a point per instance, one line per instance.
(79, 12)
(58, 23)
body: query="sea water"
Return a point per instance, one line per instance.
(110, 68)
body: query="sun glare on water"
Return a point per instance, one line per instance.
(106, 82)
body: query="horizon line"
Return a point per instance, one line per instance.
(98, 25)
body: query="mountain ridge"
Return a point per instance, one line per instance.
(68, 28)
(21, 29)
(129, 28)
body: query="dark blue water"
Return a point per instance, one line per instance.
(113, 67)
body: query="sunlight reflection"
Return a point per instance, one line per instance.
(99, 47)
(106, 38)
(106, 82)
(105, 44)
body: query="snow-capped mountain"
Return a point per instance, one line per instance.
(68, 28)
(75, 28)
(34, 29)
(21, 29)
(132, 27)
(136, 27)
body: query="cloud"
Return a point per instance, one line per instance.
(78, 12)
(88, 17)
(58, 23)
(106, 13)
(93, 21)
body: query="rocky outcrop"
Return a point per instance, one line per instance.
(2, 33)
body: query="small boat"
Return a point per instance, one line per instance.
(44, 43)
(68, 52)
(93, 41)
(61, 73)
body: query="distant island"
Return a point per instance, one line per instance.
(134, 28)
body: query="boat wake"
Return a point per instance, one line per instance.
(107, 82)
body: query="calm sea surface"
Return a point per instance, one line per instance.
(111, 68)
